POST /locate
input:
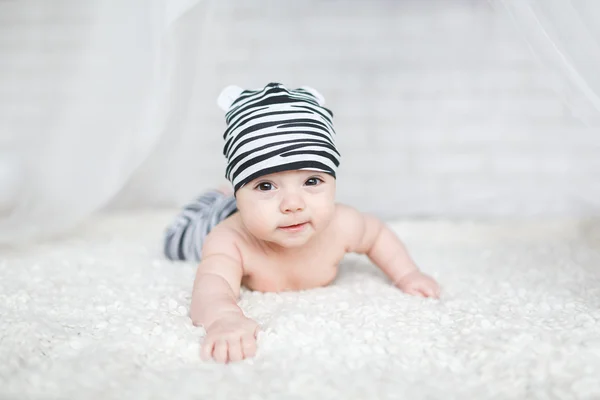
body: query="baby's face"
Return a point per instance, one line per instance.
(287, 208)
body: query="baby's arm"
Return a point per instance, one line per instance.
(369, 235)
(230, 336)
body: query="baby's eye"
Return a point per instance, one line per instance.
(264, 186)
(313, 181)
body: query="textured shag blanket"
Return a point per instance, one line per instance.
(100, 314)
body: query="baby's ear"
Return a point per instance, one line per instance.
(228, 96)
(314, 92)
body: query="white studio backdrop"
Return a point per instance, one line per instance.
(442, 109)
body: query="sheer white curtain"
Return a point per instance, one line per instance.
(565, 36)
(87, 88)
(91, 91)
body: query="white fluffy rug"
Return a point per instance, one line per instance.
(101, 315)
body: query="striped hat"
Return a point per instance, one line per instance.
(275, 129)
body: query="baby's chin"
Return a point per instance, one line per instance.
(291, 241)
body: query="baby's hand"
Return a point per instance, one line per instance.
(417, 283)
(230, 338)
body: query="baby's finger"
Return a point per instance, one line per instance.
(220, 352)
(207, 348)
(249, 345)
(428, 291)
(435, 292)
(235, 350)
(413, 292)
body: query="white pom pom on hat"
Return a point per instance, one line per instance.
(314, 92)
(228, 96)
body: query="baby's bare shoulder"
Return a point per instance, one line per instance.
(230, 234)
(347, 217)
(348, 224)
(225, 238)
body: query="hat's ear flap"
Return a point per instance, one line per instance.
(228, 96)
(315, 93)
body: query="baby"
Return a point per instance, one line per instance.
(281, 229)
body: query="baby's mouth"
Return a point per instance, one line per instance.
(294, 228)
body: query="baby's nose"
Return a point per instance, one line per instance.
(292, 203)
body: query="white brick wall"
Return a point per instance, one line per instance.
(440, 108)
